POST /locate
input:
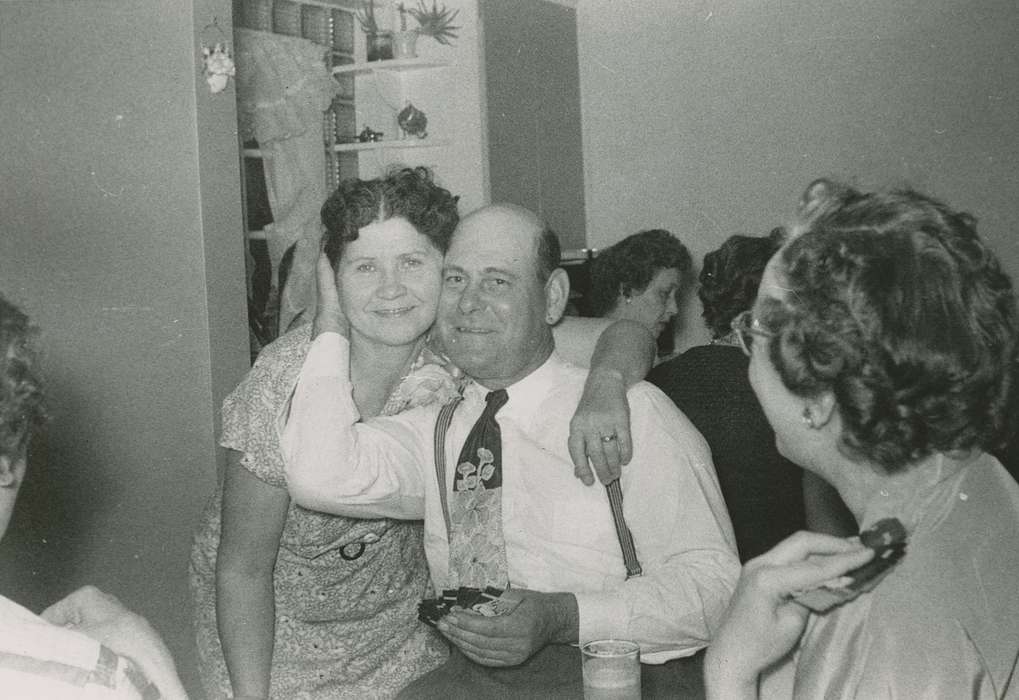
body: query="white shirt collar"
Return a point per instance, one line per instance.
(527, 392)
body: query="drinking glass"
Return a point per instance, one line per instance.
(611, 669)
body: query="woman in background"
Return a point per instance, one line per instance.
(637, 279)
(765, 492)
(882, 348)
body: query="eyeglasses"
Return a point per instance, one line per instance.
(746, 327)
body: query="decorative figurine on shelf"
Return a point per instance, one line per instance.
(369, 135)
(413, 121)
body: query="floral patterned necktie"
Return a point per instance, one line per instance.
(477, 550)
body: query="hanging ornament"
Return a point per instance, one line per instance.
(217, 66)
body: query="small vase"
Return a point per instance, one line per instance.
(405, 44)
(379, 46)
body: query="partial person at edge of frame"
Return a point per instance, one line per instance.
(882, 348)
(88, 644)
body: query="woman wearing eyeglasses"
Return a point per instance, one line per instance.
(882, 344)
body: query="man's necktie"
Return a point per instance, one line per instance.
(477, 550)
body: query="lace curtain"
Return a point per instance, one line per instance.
(283, 87)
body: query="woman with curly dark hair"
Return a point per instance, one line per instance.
(637, 279)
(293, 603)
(882, 346)
(729, 279)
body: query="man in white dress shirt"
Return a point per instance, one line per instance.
(502, 292)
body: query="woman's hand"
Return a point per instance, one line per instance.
(328, 312)
(763, 623)
(600, 428)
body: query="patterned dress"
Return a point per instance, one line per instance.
(346, 589)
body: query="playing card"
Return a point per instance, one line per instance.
(430, 610)
(888, 540)
(493, 602)
(496, 606)
(466, 597)
(489, 602)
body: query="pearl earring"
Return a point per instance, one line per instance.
(808, 419)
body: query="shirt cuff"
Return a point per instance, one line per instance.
(602, 615)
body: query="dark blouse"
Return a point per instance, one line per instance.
(762, 489)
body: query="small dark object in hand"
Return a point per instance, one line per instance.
(488, 602)
(887, 538)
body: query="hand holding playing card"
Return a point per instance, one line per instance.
(888, 540)
(534, 620)
(763, 622)
(489, 602)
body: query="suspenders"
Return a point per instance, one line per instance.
(615, 492)
(441, 426)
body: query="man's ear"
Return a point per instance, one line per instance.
(557, 294)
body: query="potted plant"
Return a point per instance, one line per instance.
(436, 22)
(379, 42)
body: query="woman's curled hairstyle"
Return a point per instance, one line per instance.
(892, 301)
(21, 394)
(409, 193)
(730, 276)
(629, 266)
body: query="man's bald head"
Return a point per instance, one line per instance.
(505, 216)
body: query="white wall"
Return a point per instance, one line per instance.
(709, 118)
(452, 98)
(121, 237)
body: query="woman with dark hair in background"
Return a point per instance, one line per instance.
(763, 491)
(638, 278)
(882, 347)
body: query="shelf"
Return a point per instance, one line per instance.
(579, 255)
(397, 65)
(391, 143)
(368, 146)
